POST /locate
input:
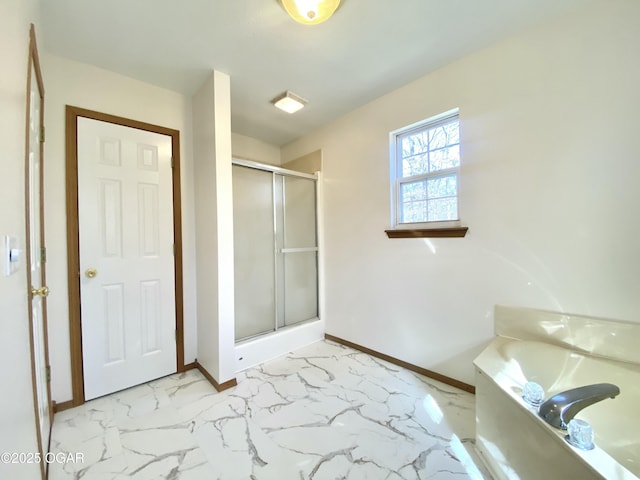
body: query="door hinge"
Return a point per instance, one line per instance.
(173, 163)
(43, 254)
(48, 373)
(41, 133)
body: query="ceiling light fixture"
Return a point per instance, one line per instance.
(310, 12)
(289, 102)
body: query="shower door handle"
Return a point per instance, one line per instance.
(299, 250)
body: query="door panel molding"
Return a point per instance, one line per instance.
(73, 237)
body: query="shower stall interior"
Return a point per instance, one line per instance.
(275, 248)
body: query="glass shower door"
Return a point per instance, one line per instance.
(299, 252)
(275, 249)
(254, 247)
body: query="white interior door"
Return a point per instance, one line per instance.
(35, 261)
(127, 287)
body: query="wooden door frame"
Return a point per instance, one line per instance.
(73, 238)
(34, 73)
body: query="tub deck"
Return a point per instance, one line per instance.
(507, 364)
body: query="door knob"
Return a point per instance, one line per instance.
(43, 291)
(90, 272)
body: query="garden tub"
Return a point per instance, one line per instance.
(514, 441)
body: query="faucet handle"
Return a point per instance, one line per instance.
(533, 393)
(580, 434)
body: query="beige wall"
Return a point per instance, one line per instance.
(248, 148)
(73, 83)
(17, 418)
(549, 191)
(309, 163)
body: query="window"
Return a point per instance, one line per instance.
(425, 158)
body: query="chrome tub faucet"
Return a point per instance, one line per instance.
(558, 410)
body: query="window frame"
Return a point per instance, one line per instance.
(396, 178)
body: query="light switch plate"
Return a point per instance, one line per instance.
(11, 255)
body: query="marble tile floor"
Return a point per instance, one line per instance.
(323, 412)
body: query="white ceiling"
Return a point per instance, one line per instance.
(368, 48)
